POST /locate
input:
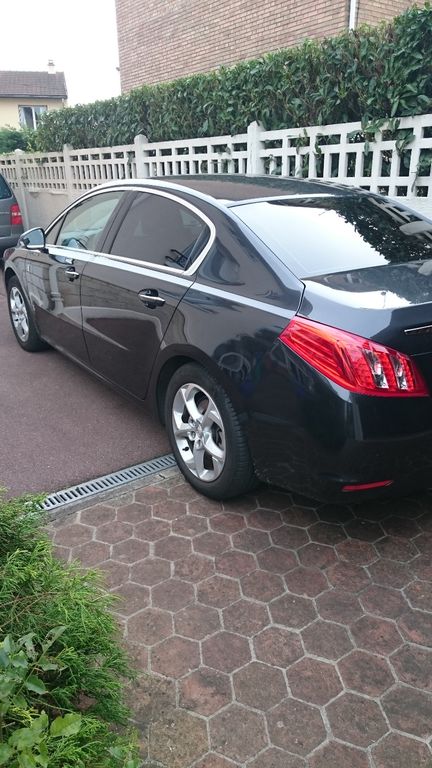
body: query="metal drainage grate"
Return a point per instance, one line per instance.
(107, 482)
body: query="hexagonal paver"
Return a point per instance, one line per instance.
(351, 578)
(151, 494)
(172, 547)
(205, 507)
(197, 621)
(172, 595)
(366, 673)
(259, 686)
(214, 761)
(227, 522)
(92, 553)
(152, 530)
(211, 543)
(416, 626)
(130, 551)
(365, 530)
(289, 537)
(293, 611)
(134, 513)
(270, 499)
(205, 691)
(235, 563)
(414, 666)
(245, 617)
(396, 549)
(218, 591)
(409, 710)
(114, 574)
(132, 598)
(326, 639)
(264, 519)
(337, 605)
(395, 750)
(336, 755)
(334, 513)
(114, 532)
(421, 568)
(150, 626)
(306, 581)
(401, 526)
(356, 552)
(419, 594)
(303, 514)
(225, 651)
(151, 571)
(376, 635)
(262, 585)
(72, 535)
(296, 727)
(97, 515)
(251, 540)
(314, 681)
(238, 733)
(383, 601)
(356, 720)
(277, 560)
(194, 568)
(317, 555)
(177, 739)
(326, 533)
(389, 573)
(169, 509)
(276, 758)
(189, 525)
(175, 657)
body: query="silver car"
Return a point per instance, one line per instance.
(11, 226)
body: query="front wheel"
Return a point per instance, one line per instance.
(21, 319)
(206, 435)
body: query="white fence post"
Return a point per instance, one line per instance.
(69, 179)
(255, 163)
(141, 167)
(22, 199)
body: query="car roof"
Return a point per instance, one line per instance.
(234, 189)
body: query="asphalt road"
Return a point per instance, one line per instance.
(60, 426)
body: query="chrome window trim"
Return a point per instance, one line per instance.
(158, 267)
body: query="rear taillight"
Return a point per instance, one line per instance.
(355, 363)
(15, 215)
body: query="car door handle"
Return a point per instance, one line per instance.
(71, 273)
(151, 298)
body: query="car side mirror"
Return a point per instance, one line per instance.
(33, 239)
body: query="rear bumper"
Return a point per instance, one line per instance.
(313, 437)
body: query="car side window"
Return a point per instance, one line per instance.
(52, 234)
(84, 223)
(161, 231)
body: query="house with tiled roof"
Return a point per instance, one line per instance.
(25, 96)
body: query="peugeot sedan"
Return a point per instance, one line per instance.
(281, 328)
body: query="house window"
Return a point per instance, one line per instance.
(29, 116)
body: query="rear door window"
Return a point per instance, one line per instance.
(321, 235)
(159, 230)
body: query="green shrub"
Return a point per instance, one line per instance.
(15, 138)
(61, 665)
(371, 73)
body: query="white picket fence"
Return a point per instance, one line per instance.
(394, 160)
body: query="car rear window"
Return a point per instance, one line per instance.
(4, 189)
(321, 235)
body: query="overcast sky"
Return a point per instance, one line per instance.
(79, 35)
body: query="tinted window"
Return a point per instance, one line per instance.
(161, 231)
(316, 236)
(83, 224)
(4, 189)
(52, 235)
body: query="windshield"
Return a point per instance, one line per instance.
(317, 236)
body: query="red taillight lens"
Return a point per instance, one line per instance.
(15, 215)
(355, 363)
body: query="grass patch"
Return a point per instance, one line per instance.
(62, 668)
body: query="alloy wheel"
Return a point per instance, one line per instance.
(199, 432)
(19, 314)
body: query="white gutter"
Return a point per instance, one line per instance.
(352, 14)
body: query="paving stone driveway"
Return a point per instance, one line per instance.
(274, 633)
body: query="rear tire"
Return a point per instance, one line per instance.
(21, 319)
(206, 435)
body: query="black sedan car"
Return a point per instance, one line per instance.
(282, 328)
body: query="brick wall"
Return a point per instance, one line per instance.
(161, 40)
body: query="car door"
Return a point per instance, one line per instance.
(54, 276)
(130, 295)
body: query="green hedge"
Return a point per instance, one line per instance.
(372, 73)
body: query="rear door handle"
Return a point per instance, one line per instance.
(71, 273)
(151, 298)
